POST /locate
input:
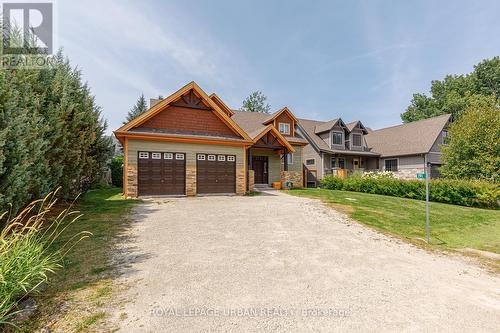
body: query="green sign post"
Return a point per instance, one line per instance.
(421, 175)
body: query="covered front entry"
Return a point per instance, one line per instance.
(161, 173)
(260, 165)
(215, 173)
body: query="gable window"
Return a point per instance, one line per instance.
(336, 138)
(445, 136)
(311, 161)
(284, 128)
(391, 165)
(356, 140)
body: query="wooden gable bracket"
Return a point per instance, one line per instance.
(270, 129)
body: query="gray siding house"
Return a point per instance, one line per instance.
(339, 148)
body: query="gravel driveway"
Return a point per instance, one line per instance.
(281, 263)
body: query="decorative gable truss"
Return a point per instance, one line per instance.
(188, 110)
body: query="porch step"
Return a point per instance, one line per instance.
(262, 187)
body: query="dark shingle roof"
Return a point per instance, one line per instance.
(407, 139)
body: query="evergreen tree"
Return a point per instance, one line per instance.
(51, 134)
(139, 107)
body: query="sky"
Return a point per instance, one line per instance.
(323, 59)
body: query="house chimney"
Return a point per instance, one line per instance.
(153, 102)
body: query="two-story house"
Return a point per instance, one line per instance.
(335, 147)
(405, 149)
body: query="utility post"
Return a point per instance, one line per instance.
(427, 166)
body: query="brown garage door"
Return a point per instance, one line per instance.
(161, 173)
(215, 173)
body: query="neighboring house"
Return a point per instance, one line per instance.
(406, 149)
(190, 143)
(336, 147)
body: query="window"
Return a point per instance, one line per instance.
(356, 140)
(391, 165)
(211, 157)
(201, 157)
(336, 138)
(156, 156)
(179, 156)
(341, 163)
(333, 161)
(143, 154)
(221, 158)
(284, 128)
(312, 161)
(289, 158)
(231, 158)
(445, 137)
(168, 156)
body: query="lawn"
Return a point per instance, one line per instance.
(452, 227)
(77, 294)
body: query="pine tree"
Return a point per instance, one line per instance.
(139, 107)
(256, 102)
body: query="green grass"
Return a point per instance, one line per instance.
(452, 227)
(87, 274)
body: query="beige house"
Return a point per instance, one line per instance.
(191, 143)
(339, 148)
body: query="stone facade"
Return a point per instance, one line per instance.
(132, 180)
(291, 176)
(408, 173)
(251, 181)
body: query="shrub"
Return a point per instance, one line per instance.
(457, 192)
(28, 252)
(116, 167)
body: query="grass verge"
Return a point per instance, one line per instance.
(76, 297)
(452, 227)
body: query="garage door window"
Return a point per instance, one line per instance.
(168, 156)
(211, 157)
(201, 157)
(179, 156)
(221, 158)
(156, 156)
(143, 154)
(231, 158)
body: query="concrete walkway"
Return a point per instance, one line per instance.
(278, 263)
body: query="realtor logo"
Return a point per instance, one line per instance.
(27, 28)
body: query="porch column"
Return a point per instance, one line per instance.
(285, 159)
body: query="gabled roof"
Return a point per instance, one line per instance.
(353, 124)
(328, 125)
(157, 108)
(221, 104)
(277, 134)
(277, 113)
(413, 138)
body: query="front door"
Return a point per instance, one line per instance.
(260, 165)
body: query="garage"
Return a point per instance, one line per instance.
(215, 173)
(161, 173)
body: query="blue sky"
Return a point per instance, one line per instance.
(323, 59)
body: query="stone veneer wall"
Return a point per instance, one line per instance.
(408, 173)
(251, 181)
(291, 176)
(190, 149)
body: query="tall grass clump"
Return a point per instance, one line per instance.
(30, 250)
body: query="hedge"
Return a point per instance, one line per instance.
(456, 192)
